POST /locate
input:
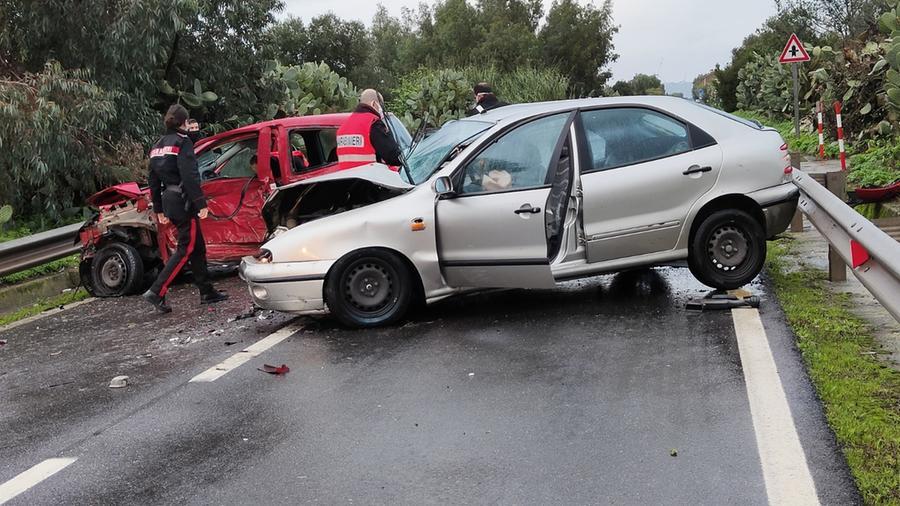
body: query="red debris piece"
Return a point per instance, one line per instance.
(858, 254)
(271, 369)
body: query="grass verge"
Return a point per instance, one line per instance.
(861, 395)
(40, 270)
(43, 305)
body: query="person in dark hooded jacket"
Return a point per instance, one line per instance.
(178, 199)
(485, 100)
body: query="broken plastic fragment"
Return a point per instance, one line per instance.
(673, 452)
(118, 382)
(271, 369)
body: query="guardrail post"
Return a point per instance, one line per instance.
(836, 183)
(797, 222)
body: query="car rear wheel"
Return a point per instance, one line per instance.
(117, 270)
(727, 250)
(369, 288)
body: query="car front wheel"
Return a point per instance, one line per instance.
(369, 288)
(727, 250)
(117, 270)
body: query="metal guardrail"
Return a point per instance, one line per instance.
(20, 254)
(840, 225)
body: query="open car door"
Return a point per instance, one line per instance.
(494, 231)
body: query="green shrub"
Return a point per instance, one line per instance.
(875, 167)
(446, 94)
(441, 94)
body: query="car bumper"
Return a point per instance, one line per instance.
(292, 287)
(779, 203)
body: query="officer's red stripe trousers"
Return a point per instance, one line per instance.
(184, 259)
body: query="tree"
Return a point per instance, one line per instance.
(342, 45)
(623, 88)
(578, 40)
(508, 32)
(643, 84)
(796, 17)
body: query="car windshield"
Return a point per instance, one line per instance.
(429, 153)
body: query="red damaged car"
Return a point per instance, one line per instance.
(123, 245)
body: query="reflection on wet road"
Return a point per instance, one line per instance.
(600, 391)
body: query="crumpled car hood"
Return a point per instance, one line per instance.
(377, 173)
(331, 193)
(117, 194)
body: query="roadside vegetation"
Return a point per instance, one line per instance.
(855, 51)
(80, 111)
(44, 305)
(861, 394)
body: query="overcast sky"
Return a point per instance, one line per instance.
(676, 39)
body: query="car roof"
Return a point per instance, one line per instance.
(516, 112)
(322, 120)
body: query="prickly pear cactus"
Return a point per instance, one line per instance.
(6, 213)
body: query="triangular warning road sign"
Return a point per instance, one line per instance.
(794, 51)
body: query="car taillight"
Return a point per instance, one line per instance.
(263, 256)
(784, 147)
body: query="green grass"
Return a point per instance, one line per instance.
(806, 143)
(40, 270)
(861, 394)
(43, 305)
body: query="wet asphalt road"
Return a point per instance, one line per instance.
(569, 396)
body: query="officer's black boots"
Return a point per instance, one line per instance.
(212, 296)
(158, 302)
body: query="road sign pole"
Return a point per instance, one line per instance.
(794, 73)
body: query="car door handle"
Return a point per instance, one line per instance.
(526, 208)
(693, 169)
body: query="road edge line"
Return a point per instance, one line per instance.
(786, 473)
(31, 477)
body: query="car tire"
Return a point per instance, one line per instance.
(369, 288)
(117, 270)
(727, 250)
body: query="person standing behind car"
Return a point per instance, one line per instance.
(485, 100)
(178, 198)
(364, 138)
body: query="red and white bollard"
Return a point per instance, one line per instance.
(821, 133)
(840, 132)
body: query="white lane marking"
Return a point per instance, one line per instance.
(32, 477)
(785, 471)
(49, 312)
(217, 371)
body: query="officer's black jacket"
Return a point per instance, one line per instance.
(386, 149)
(173, 163)
(488, 102)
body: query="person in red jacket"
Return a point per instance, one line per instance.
(364, 138)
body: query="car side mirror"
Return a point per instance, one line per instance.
(443, 187)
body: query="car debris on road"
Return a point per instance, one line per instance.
(118, 382)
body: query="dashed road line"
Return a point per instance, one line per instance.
(785, 471)
(32, 477)
(217, 371)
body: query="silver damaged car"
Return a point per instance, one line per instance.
(526, 196)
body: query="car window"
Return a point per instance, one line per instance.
(619, 137)
(312, 149)
(230, 159)
(519, 159)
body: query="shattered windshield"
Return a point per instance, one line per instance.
(427, 156)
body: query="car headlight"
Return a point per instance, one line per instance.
(263, 256)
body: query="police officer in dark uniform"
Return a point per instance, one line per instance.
(485, 100)
(178, 198)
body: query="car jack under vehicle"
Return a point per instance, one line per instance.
(720, 299)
